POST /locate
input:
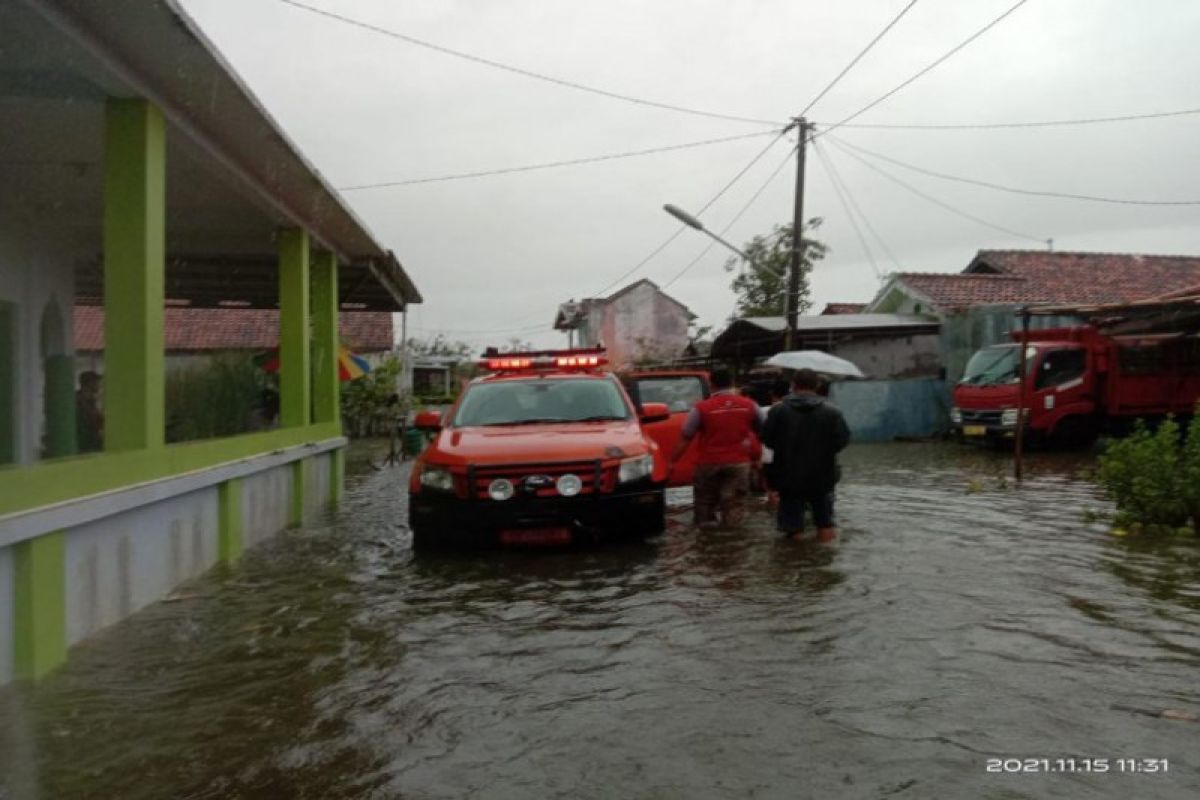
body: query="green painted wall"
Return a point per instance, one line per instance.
(229, 520)
(58, 396)
(23, 488)
(325, 339)
(39, 605)
(295, 383)
(134, 264)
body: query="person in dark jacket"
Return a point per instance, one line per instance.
(805, 433)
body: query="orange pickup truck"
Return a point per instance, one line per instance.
(546, 449)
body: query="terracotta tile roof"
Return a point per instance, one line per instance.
(237, 329)
(844, 308)
(1043, 276)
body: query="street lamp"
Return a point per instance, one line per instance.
(687, 219)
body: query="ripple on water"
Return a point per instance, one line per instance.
(959, 617)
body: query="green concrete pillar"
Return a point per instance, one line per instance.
(39, 605)
(337, 476)
(325, 338)
(8, 383)
(58, 400)
(134, 263)
(299, 488)
(229, 520)
(295, 398)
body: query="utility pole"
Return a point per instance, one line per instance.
(792, 300)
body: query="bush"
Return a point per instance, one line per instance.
(370, 404)
(1154, 477)
(222, 396)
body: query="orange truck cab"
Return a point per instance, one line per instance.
(546, 449)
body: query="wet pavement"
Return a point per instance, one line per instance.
(958, 620)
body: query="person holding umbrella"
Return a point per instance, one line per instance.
(805, 434)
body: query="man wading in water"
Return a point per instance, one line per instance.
(805, 433)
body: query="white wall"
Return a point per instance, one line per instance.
(119, 564)
(318, 475)
(266, 504)
(6, 615)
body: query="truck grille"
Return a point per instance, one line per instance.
(592, 475)
(975, 416)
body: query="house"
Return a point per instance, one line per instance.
(191, 334)
(977, 307)
(904, 394)
(884, 346)
(139, 173)
(639, 323)
(843, 308)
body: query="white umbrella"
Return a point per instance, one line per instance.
(817, 361)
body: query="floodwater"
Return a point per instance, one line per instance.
(959, 619)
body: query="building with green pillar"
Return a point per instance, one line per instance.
(140, 173)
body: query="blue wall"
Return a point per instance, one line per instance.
(879, 411)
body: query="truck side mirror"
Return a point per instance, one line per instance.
(655, 412)
(428, 421)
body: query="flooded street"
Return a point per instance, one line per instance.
(958, 619)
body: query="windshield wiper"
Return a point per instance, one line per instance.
(597, 418)
(532, 421)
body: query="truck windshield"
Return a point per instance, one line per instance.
(997, 364)
(541, 401)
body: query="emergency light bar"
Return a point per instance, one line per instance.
(545, 359)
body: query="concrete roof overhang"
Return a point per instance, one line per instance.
(233, 177)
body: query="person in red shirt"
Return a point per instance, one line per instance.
(728, 426)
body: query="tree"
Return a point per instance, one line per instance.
(762, 292)
(439, 345)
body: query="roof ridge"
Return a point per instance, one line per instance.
(1109, 253)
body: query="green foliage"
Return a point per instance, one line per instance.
(371, 402)
(762, 292)
(222, 396)
(1154, 477)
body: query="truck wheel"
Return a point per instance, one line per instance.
(1076, 432)
(654, 520)
(423, 541)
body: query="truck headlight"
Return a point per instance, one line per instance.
(633, 469)
(956, 415)
(437, 478)
(1008, 417)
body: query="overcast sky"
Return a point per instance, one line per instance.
(494, 256)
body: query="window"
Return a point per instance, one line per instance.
(680, 392)
(534, 401)
(1061, 366)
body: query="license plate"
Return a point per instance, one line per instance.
(974, 430)
(539, 536)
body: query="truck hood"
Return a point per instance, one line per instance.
(991, 397)
(508, 444)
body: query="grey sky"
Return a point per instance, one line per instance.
(499, 253)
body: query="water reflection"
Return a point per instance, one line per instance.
(959, 617)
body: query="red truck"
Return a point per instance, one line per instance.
(1079, 383)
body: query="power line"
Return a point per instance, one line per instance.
(928, 68)
(837, 189)
(858, 57)
(770, 178)
(934, 200)
(524, 72)
(705, 207)
(1034, 124)
(827, 160)
(553, 164)
(852, 209)
(1014, 190)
